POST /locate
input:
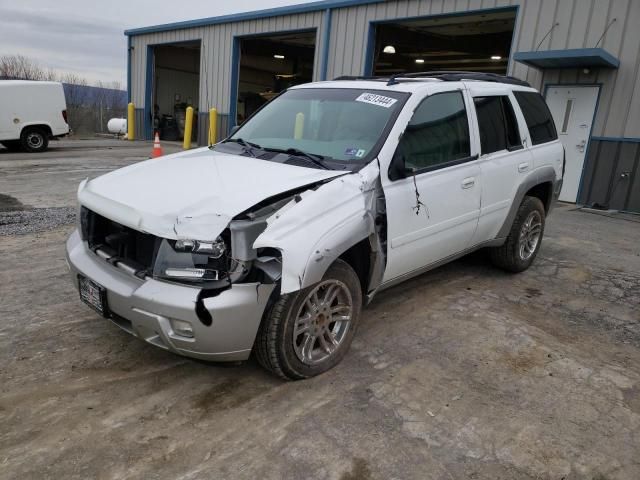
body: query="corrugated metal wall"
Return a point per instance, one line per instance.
(216, 53)
(581, 23)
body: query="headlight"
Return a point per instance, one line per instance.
(214, 249)
(192, 261)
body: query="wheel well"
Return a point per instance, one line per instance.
(543, 191)
(359, 258)
(46, 128)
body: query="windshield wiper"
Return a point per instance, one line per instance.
(295, 152)
(248, 146)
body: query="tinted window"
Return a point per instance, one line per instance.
(497, 124)
(437, 134)
(537, 115)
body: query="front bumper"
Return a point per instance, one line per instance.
(144, 308)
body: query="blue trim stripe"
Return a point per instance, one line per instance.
(239, 17)
(371, 34)
(369, 52)
(148, 100)
(326, 44)
(570, 58)
(617, 139)
(235, 78)
(129, 49)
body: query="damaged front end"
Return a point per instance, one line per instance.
(204, 295)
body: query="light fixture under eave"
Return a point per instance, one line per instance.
(389, 49)
(496, 57)
(279, 57)
(419, 60)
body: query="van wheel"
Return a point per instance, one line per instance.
(34, 140)
(309, 332)
(11, 145)
(522, 245)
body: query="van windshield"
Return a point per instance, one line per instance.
(324, 125)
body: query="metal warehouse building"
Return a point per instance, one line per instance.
(583, 55)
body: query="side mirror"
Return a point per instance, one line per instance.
(234, 129)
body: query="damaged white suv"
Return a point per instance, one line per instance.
(272, 240)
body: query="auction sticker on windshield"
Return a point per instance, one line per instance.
(375, 99)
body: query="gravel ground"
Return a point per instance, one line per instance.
(36, 220)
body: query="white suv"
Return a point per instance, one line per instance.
(272, 240)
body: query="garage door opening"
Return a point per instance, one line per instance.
(271, 64)
(176, 86)
(476, 42)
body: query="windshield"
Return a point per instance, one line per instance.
(343, 125)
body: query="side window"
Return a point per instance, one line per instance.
(497, 124)
(438, 133)
(537, 115)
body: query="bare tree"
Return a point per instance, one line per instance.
(21, 67)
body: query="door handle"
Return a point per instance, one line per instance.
(523, 167)
(468, 182)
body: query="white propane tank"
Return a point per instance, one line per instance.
(117, 126)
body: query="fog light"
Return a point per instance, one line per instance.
(182, 328)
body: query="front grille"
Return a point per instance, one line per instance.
(120, 243)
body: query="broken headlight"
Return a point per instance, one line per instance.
(214, 249)
(191, 261)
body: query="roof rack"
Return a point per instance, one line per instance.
(444, 75)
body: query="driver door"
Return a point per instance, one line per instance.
(433, 188)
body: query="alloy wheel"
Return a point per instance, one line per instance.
(322, 322)
(530, 235)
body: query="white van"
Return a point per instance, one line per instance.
(31, 113)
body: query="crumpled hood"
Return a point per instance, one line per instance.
(193, 194)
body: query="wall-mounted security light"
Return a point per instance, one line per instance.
(278, 56)
(496, 57)
(419, 60)
(389, 49)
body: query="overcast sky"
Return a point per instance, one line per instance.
(86, 37)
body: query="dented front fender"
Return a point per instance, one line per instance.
(314, 229)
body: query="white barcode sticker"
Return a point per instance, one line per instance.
(375, 99)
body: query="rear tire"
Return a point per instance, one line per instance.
(309, 332)
(523, 242)
(34, 139)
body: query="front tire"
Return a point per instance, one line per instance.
(308, 332)
(523, 242)
(34, 140)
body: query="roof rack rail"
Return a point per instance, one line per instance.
(361, 77)
(456, 75)
(444, 75)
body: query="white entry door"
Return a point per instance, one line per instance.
(573, 109)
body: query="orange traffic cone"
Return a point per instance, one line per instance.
(157, 148)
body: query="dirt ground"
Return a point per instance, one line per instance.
(462, 373)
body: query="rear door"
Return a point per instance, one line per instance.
(433, 185)
(503, 159)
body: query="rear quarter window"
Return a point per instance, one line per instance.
(538, 117)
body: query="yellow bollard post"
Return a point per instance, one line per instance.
(131, 121)
(188, 126)
(213, 126)
(298, 130)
